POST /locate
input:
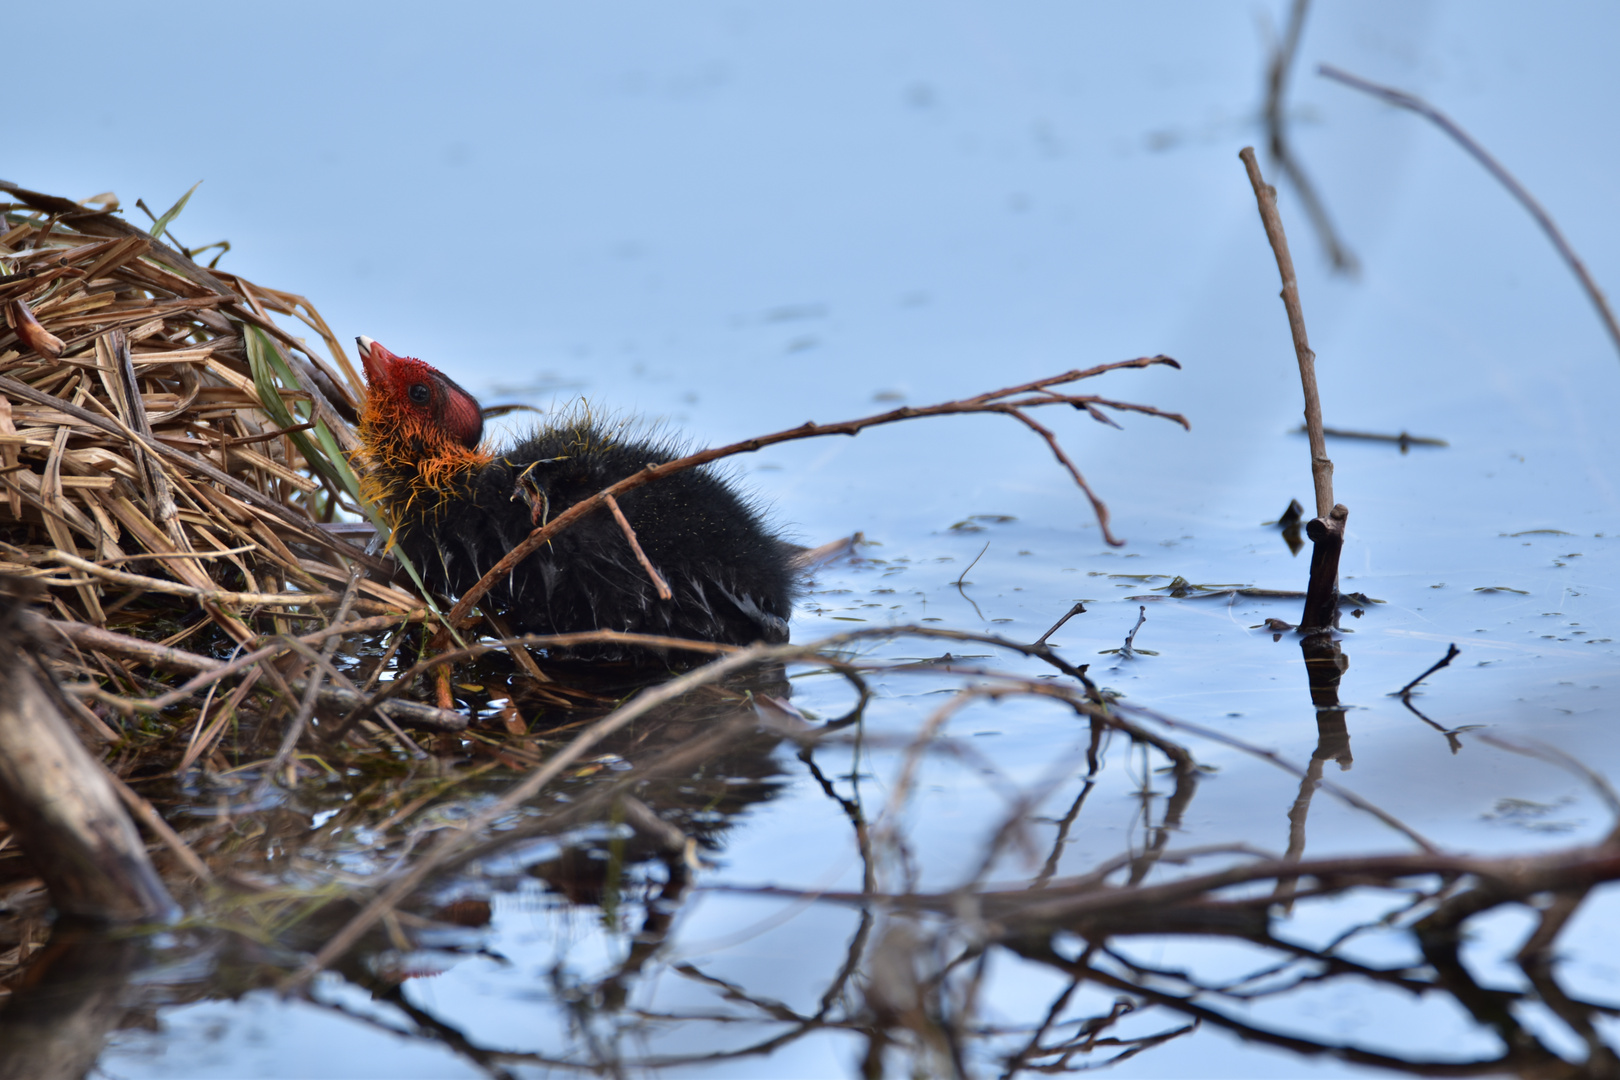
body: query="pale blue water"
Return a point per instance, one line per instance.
(736, 217)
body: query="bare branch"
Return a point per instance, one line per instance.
(635, 545)
(993, 401)
(1412, 102)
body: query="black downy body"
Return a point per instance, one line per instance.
(731, 576)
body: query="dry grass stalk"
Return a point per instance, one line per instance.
(145, 475)
(128, 393)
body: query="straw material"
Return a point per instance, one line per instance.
(162, 436)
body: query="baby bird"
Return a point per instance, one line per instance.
(457, 507)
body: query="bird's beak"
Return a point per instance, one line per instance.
(375, 358)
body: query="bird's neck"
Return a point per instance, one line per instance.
(411, 465)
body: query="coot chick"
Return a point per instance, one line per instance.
(458, 507)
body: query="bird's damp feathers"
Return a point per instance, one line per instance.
(457, 510)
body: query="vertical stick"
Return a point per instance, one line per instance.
(1322, 594)
(1321, 465)
(1327, 530)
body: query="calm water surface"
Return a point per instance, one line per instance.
(736, 217)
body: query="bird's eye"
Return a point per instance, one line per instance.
(420, 393)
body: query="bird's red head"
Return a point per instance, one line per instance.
(413, 401)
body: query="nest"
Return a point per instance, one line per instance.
(162, 438)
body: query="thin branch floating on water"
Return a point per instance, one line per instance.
(1403, 439)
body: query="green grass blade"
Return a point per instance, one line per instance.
(173, 212)
(327, 459)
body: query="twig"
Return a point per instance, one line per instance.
(445, 849)
(811, 558)
(1452, 652)
(1067, 901)
(174, 588)
(1326, 530)
(411, 712)
(1451, 734)
(323, 662)
(524, 659)
(405, 678)
(1019, 815)
(157, 556)
(1130, 638)
(114, 347)
(635, 545)
(1573, 765)
(203, 738)
(962, 578)
(1321, 464)
(993, 402)
(1338, 791)
(1403, 438)
(342, 727)
(1098, 507)
(209, 670)
(1282, 61)
(87, 716)
(222, 442)
(312, 690)
(645, 820)
(206, 669)
(1078, 609)
(153, 820)
(885, 832)
(1322, 591)
(1404, 100)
